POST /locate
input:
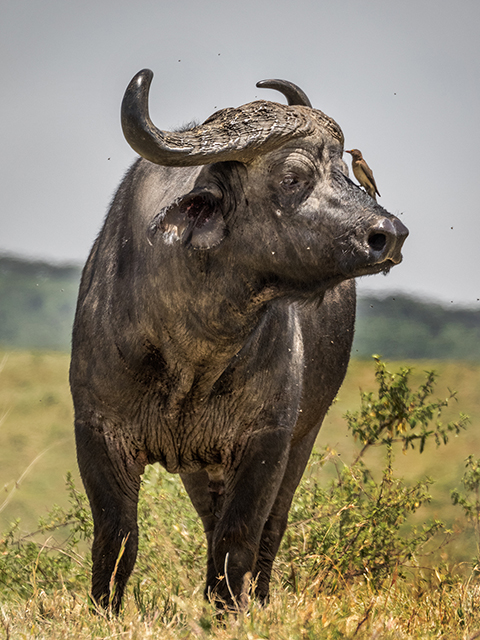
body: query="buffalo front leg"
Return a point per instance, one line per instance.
(112, 488)
(277, 520)
(250, 491)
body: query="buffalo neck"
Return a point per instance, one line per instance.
(198, 318)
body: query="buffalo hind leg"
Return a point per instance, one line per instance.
(112, 490)
(208, 506)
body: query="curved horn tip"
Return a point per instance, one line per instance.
(293, 93)
(144, 76)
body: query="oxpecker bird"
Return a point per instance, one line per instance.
(363, 173)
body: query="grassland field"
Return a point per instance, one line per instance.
(37, 445)
(37, 450)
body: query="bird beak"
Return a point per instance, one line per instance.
(346, 151)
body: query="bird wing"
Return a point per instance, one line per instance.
(369, 173)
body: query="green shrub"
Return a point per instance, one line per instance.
(469, 500)
(49, 557)
(355, 525)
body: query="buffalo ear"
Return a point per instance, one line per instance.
(194, 219)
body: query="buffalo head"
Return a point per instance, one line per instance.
(272, 188)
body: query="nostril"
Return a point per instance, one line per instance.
(377, 241)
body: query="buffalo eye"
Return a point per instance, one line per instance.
(291, 186)
(290, 183)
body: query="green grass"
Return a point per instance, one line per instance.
(36, 435)
(164, 598)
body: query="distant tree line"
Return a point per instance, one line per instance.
(401, 327)
(37, 305)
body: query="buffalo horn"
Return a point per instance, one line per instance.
(293, 94)
(230, 134)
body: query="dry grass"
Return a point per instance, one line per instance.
(399, 612)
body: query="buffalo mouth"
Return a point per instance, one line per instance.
(380, 267)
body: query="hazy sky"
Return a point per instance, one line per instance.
(401, 79)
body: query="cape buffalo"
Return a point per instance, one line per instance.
(214, 325)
